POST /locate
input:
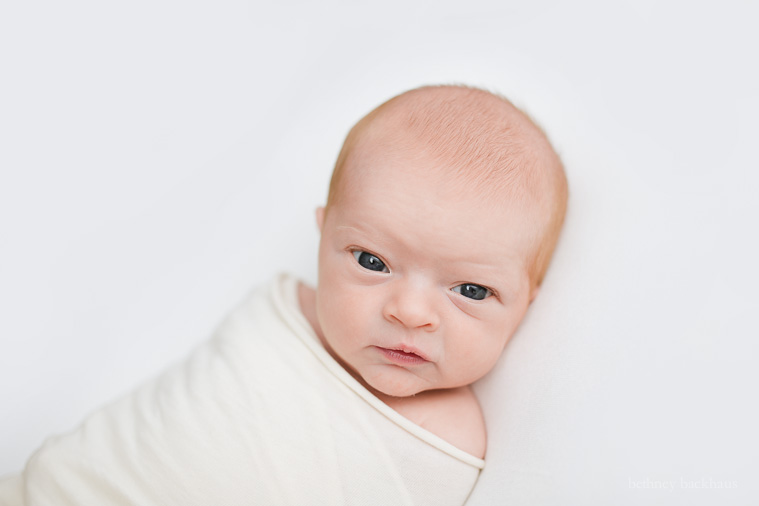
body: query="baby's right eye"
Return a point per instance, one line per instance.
(369, 261)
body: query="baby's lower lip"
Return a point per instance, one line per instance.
(401, 357)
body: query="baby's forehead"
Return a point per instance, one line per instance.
(492, 175)
(431, 191)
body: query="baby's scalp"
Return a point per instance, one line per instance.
(478, 140)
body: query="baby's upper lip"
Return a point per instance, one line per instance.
(408, 349)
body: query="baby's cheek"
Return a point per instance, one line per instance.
(475, 359)
(341, 313)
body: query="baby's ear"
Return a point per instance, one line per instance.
(320, 217)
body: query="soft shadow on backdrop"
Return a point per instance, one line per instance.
(158, 159)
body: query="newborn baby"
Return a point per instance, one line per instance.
(444, 209)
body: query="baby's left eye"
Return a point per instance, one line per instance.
(472, 291)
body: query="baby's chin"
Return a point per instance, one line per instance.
(387, 385)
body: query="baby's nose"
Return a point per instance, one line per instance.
(413, 305)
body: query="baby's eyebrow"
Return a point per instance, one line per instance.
(355, 233)
(356, 230)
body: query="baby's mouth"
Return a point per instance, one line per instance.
(402, 355)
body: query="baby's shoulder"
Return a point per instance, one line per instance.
(452, 414)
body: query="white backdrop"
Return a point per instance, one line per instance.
(159, 158)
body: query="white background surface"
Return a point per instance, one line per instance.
(158, 159)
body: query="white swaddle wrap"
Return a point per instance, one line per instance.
(260, 414)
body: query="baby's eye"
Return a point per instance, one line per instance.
(472, 291)
(369, 261)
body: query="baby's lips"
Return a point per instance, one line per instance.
(409, 350)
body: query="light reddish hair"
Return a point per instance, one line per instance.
(481, 139)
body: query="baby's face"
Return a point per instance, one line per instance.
(421, 283)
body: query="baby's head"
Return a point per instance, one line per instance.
(443, 211)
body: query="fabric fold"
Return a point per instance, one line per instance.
(259, 414)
